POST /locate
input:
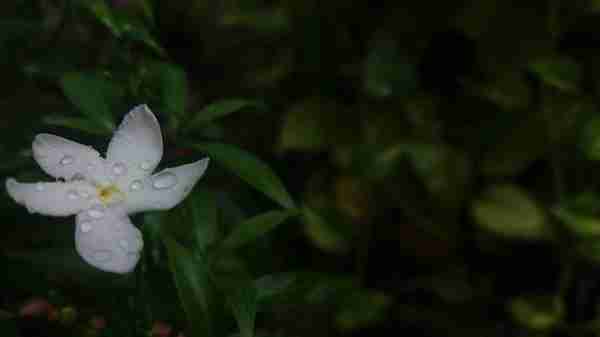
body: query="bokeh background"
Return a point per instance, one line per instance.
(379, 167)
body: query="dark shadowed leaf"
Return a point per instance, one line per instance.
(191, 276)
(362, 309)
(255, 227)
(244, 303)
(173, 87)
(322, 232)
(560, 72)
(221, 109)
(271, 285)
(76, 123)
(94, 95)
(249, 168)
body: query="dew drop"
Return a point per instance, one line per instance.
(102, 255)
(39, 187)
(136, 185)
(145, 165)
(90, 167)
(84, 194)
(164, 180)
(96, 212)
(72, 194)
(119, 169)
(78, 176)
(85, 227)
(124, 244)
(66, 160)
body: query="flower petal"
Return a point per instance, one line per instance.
(56, 199)
(164, 190)
(64, 158)
(106, 239)
(137, 147)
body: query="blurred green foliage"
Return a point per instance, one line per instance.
(423, 167)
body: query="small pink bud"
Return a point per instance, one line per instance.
(98, 322)
(161, 329)
(35, 307)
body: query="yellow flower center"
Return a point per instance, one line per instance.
(109, 194)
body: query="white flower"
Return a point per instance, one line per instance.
(102, 192)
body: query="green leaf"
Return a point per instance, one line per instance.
(255, 227)
(362, 309)
(322, 233)
(191, 276)
(250, 169)
(510, 211)
(244, 302)
(580, 215)
(560, 72)
(195, 222)
(271, 285)
(93, 95)
(76, 123)
(537, 313)
(102, 12)
(172, 83)
(221, 109)
(304, 128)
(135, 31)
(590, 138)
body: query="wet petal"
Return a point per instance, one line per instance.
(106, 239)
(64, 158)
(56, 199)
(137, 147)
(165, 189)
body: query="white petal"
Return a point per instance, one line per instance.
(137, 146)
(165, 189)
(64, 158)
(56, 199)
(106, 239)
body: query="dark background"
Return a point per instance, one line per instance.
(442, 156)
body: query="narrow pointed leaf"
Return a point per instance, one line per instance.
(191, 276)
(250, 169)
(220, 109)
(244, 303)
(255, 227)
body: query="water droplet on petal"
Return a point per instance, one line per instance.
(136, 185)
(145, 165)
(124, 244)
(78, 176)
(102, 255)
(90, 167)
(84, 194)
(39, 187)
(119, 169)
(164, 180)
(96, 212)
(72, 194)
(66, 160)
(85, 227)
